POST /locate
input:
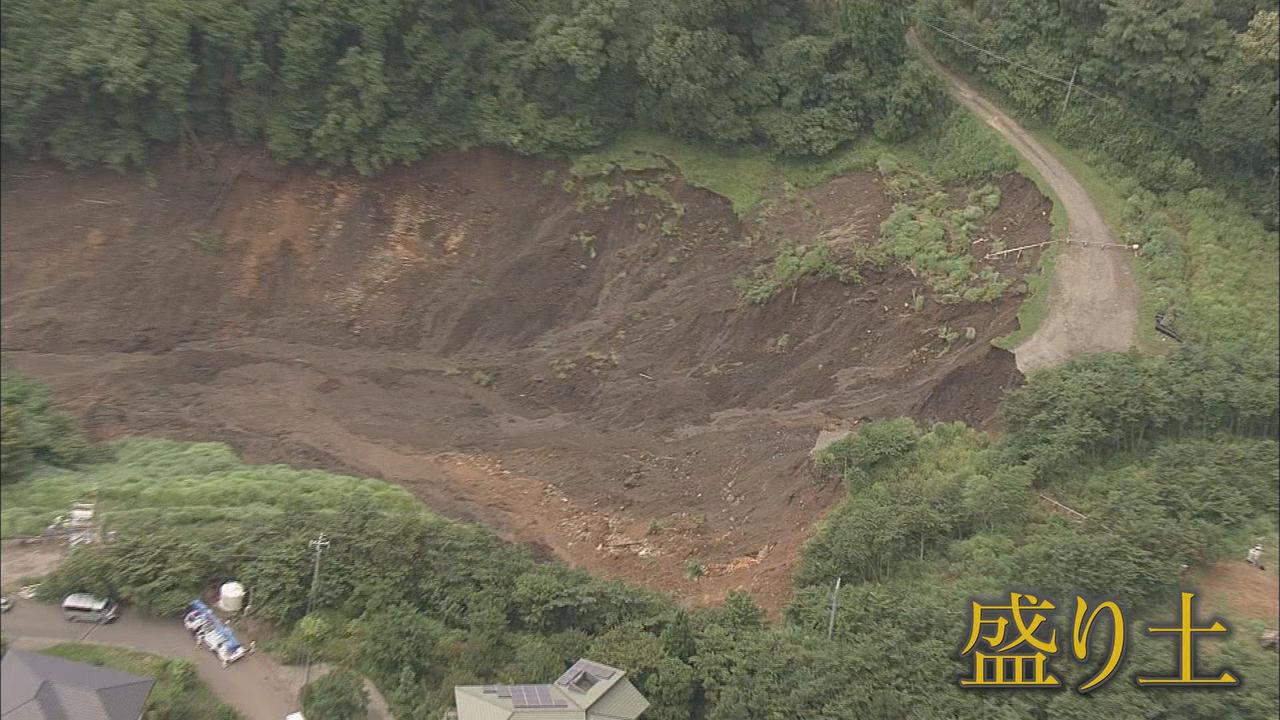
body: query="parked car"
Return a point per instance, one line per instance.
(83, 607)
(6, 603)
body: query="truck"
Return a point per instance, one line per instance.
(210, 632)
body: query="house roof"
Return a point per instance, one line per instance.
(40, 687)
(575, 695)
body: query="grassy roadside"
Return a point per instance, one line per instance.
(1110, 200)
(1205, 258)
(178, 692)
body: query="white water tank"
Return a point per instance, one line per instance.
(231, 597)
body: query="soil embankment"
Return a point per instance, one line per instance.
(579, 376)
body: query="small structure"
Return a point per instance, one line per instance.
(586, 691)
(1270, 640)
(231, 597)
(79, 527)
(40, 687)
(1253, 555)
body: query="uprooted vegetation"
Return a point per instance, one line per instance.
(928, 233)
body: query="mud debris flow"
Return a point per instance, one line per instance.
(445, 327)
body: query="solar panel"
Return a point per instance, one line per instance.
(534, 696)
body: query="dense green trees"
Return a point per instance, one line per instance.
(1107, 403)
(1173, 460)
(374, 82)
(1188, 89)
(1167, 456)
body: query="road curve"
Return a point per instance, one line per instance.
(257, 686)
(1093, 297)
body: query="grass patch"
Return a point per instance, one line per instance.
(959, 148)
(742, 175)
(858, 156)
(964, 148)
(208, 241)
(925, 233)
(932, 238)
(158, 483)
(178, 692)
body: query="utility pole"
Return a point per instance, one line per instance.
(1070, 86)
(835, 600)
(319, 544)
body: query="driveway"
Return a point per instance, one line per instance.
(1093, 297)
(258, 686)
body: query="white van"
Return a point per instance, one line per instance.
(82, 607)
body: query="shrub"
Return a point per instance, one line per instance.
(338, 695)
(875, 442)
(32, 432)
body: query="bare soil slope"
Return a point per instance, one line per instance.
(450, 327)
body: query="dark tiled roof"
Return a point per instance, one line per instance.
(40, 687)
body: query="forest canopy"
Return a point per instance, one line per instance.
(1181, 93)
(374, 82)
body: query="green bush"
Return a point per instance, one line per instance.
(873, 443)
(338, 695)
(792, 264)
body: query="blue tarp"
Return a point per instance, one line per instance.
(216, 627)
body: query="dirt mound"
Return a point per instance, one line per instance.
(565, 361)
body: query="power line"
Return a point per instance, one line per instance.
(1119, 103)
(998, 56)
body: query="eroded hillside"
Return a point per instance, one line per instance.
(571, 367)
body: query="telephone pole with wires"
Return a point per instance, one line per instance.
(1070, 86)
(319, 544)
(835, 601)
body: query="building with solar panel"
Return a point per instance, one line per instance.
(586, 691)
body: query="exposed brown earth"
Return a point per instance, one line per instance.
(447, 327)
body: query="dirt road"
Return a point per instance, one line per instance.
(1093, 297)
(257, 686)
